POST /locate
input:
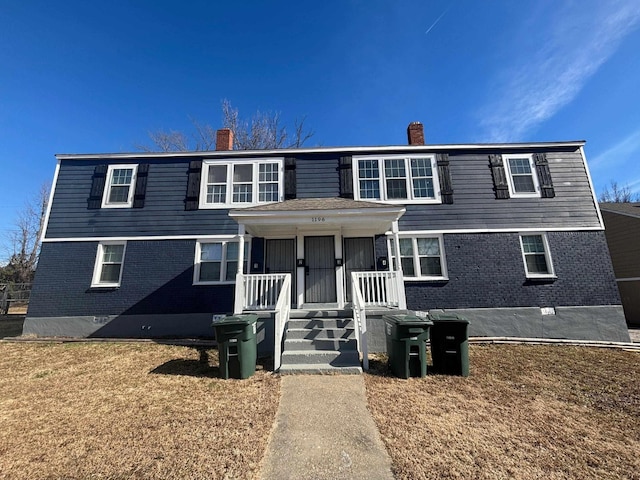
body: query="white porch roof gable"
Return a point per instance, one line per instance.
(318, 214)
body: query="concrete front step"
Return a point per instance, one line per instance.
(328, 313)
(319, 333)
(321, 344)
(295, 323)
(319, 369)
(346, 358)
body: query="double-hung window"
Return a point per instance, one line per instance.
(108, 267)
(521, 176)
(242, 183)
(421, 257)
(217, 261)
(397, 179)
(535, 253)
(118, 192)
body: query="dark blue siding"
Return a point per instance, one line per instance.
(487, 271)
(475, 205)
(163, 212)
(317, 176)
(157, 279)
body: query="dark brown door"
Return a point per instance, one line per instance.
(281, 258)
(358, 257)
(320, 270)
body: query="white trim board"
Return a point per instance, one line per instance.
(287, 152)
(48, 212)
(628, 279)
(401, 232)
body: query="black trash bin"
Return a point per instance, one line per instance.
(449, 344)
(237, 345)
(407, 337)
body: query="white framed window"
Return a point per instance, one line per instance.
(421, 256)
(521, 175)
(536, 256)
(216, 261)
(107, 271)
(396, 179)
(119, 187)
(243, 183)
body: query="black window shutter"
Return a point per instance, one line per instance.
(289, 178)
(500, 185)
(444, 175)
(544, 176)
(141, 185)
(345, 171)
(97, 187)
(193, 185)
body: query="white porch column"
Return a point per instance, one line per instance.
(238, 305)
(396, 243)
(339, 272)
(241, 233)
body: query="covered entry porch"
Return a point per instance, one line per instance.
(320, 257)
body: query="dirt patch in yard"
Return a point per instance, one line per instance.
(525, 412)
(147, 411)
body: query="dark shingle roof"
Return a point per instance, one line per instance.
(632, 209)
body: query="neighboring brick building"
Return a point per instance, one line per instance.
(152, 244)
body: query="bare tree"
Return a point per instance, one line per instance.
(264, 130)
(615, 193)
(24, 239)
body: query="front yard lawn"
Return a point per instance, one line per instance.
(110, 410)
(551, 412)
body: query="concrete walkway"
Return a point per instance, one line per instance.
(323, 430)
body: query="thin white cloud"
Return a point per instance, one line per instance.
(618, 153)
(436, 21)
(575, 45)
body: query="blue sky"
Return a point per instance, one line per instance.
(96, 76)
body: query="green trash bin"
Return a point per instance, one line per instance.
(237, 345)
(450, 344)
(407, 337)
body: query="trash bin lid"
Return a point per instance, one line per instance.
(447, 317)
(246, 319)
(407, 319)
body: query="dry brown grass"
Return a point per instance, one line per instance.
(112, 411)
(525, 412)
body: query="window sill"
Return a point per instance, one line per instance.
(220, 206)
(428, 201)
(104, 288)
(195, 284)
(541, 279)
(426, 279)
(123, 205)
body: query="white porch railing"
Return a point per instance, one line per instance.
(380, 289)
(258, 291)
(283, 308)
(270, 291)
(360, 320)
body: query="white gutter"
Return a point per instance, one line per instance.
(285, 151)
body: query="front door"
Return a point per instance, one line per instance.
(358, 257)
(281, 258)
(320, 270)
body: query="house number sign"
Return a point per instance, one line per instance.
(317, 219)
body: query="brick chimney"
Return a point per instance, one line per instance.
(415, 133)
(224, 139)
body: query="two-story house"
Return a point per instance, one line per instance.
(153, 244)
